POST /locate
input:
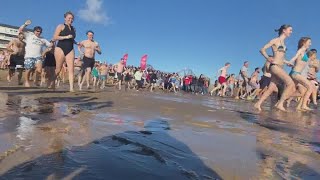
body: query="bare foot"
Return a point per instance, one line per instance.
(72, 90)
(307, 109)
(26, 84)
(257, 106)
(281, 108)
(300, 109)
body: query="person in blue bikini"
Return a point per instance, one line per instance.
(299, 62)
(279, 75)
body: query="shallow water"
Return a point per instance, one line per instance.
(81, 139)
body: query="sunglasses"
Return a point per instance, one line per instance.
(39, 31)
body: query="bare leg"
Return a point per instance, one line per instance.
(19, 76)
(306, 83)
(215, 89)
(70, 64)
(289, 86)
(314, 94)
(60, 58)
(271, 88)
(38, 72)
(27, 78)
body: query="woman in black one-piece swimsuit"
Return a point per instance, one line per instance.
(65, 35)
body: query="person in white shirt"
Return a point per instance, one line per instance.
(138, 78)
(34, 47)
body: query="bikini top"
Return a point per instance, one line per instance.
(305, 58)
(282, 48)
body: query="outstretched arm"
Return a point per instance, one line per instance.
(294, 59)
(27, 23)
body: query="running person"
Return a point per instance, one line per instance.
(65, 35)
(300, 61)
(16, 49)
(266, 78)
(120, 68)
(90, 48)
(49, 65)
(312, 73)
(254, 84)
(276, 68)
(33, 57)
(222, 79)
(78, 72)
(243, 81)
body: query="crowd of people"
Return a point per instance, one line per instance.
(51, 61)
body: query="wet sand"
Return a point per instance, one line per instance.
(129, 135)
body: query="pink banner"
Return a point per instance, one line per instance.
(125, 58)
(143, 62)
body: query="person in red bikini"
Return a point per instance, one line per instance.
(222, 80)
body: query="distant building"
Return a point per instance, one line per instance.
(7, 33)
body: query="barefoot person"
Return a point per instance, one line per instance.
(222, 79)
(65, 35)
(78, 71)
(311, 73)
(254, 84)
(103, 74)
(90, 48)
(119, 69)
(243, 81)
(49, 65)
(16, 49)
(33, 57)
(265, 79)
(276, 68)
(300, 61)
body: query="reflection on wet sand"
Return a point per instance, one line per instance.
(177, 137)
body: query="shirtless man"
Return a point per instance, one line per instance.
(103, 74)
(119, 70)
(90, 48)
(222, 79)
(244, 78)
(254, 84)
(16, 49)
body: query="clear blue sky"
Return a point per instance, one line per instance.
(199, 34)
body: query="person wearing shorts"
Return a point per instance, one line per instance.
(222, 80)
(34, 50)
(16, 48)
(90, 47)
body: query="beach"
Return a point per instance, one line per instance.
(111, 134)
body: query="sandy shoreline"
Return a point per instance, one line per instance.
(111, 134)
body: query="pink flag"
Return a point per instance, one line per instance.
(125, 58)
(143, 62)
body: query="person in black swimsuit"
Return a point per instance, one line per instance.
(49, 65)
(65, 35)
